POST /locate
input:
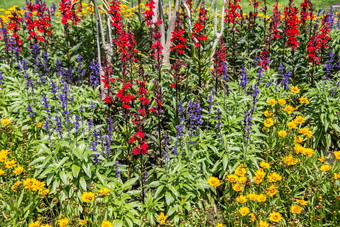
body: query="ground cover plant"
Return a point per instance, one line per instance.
(176, 113)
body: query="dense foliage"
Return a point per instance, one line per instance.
(107, 120)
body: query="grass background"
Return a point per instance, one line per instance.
(5, 4)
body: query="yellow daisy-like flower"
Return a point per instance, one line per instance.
(242, 180)
(271, 191)
(252, 217)
(241, 199)
(307, 132)
(214, 182)
(337, 154)
(63, 222)
(10, 164)
(268, 113)
(82, 222)
(45, 192)
(299, 120)
(104, 191)
(272, 102)
(290, 160)
(261, 198)
(106, 224)
(219, 225)
(289, 109)
(1, 172)
(336, 176)
(18, 170)
(282, 102)
(87, 197)
(244, 211)
(295, 209)
(5, 122)
(295, 89)
(15, 186)
(322, 159)
(325, 168)
(264, 165)
(240, 170)
(263, 224)
(232, 178)
(282, 133)
(302, 202)
(39, 124)
(274, 177)
(252, 196)
(275, 217)
(162, 218)
(298, 139)
(291, 125)
(304, 100)
(237, 187)
(268, 122)
(35, 224)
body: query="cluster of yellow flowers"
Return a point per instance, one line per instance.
(90, 196)
(5, 122)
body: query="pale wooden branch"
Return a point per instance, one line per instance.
(218, 35)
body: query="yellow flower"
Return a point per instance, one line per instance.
(282, 102)
(35, 224)
(268, 122)
(44, 192)
(261, 198)
(252, 217)
(232, 178)
(15, 186)
(274, 177)
(3, 155)
(275, 217)
(241, 199)
(336, 176)
(18, 170)
(322, 159)
(308, 152)
(242, 180)
(289, 109)
(337, 154)
(263, 224)
(303, 100)
(282, 133)
(302, 202)
(63, 222)
(244, 211)
(291, 124)
(295, 89)
(268, 113)
(259, 176)
(271, 191)
(237, 187)
(307, 132)
(299, 120)
(325, 168)
(5, 122)
(298, 139)
(104, 191)
(219, 225)
(290, 160)
(295, 209)
(272, 102)
(87, 197)
(252, 196)
(214, 182)
(1, 172)
(39, 124)
(83, 222)
(240, 170)
(264, 165)
(33, 184)
(10, 164)
(106, 224)
(162, 218)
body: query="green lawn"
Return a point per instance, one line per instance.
(5, 4)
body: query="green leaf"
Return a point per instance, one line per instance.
(83, 183)
(117, 223)
(75, 170)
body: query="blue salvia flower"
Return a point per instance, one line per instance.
(94, 74)
(225, 77)
(329, 66)
(145, 179)
(107, 146)
(53, 9)
(244, 79)
(218, 125)
(47, 128)
(180, 126)
(110, 128)
(29, 109)
(45, 58)
(59, 126)
(1, 79)
(210, 103)
(118, 167)
(285, 76)
(80, 71)
(191, 119)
